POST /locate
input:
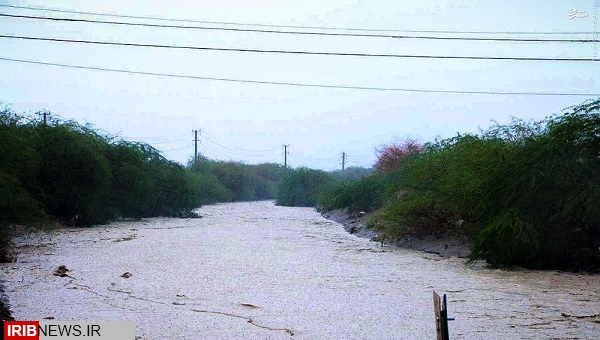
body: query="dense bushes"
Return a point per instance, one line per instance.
(74, 175)
(300, 187)
(328, 191)
(546, 196)
(234, 181)
(78, 177)
(527, 193)
(355, 195)
(439, 190)
(19, 168)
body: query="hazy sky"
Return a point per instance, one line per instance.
(250, 122)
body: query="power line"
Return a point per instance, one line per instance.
(234, 155)
(175, 149)
(251, 50)
(346, 87)
(531, 40)
(235, 151)
(236, 148)
(287, 26)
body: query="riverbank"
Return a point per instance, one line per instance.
(5, 313)
(443, 246)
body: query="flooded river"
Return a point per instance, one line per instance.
(256, 271)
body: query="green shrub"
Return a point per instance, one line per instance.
(301, 187)
(351, 173)
(527, 193)
(242, 182)
(542, 209)
(363, 194)
(268, 181)
(75, 175)
(439, 190)
(208, 188)
(238, 178)
(131, 187)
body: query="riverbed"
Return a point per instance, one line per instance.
(258, 271)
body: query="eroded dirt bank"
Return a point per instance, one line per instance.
(442, 246)
(256, 271)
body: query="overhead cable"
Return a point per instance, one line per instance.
(248, 30)
(295, 52)
(55, 10)
(262, 82)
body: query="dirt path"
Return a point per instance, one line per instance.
(255, 271)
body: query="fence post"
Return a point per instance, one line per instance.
(440, 310)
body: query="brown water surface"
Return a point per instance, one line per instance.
(256, 271)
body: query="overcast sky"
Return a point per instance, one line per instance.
(251, 122)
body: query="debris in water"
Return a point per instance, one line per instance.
(49, 318)
(591, 316)
(61, 271)
(371, 250)
(248, 305)
(128, 238)
(126, 275)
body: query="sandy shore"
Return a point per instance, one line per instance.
(257, 271)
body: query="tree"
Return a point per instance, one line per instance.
(389, 157)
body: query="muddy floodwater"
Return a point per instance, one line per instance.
(257, 271)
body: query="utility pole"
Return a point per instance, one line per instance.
(285, 153)
(45, 117)
(196, 149)
(344, 160)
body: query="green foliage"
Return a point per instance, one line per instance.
(131, 187)
(234, 181)
(238, 178)
(301, 187)
(18, 170)
(440, 189)
(208, 188)
(351, 173)
(75, 175)
(71, 173)
(18, 179)
(172, 195)
(546, 194)
(527, 193)
(269, 180)
(356, 195)
(524, 192)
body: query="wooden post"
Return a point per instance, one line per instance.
(441, 317)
